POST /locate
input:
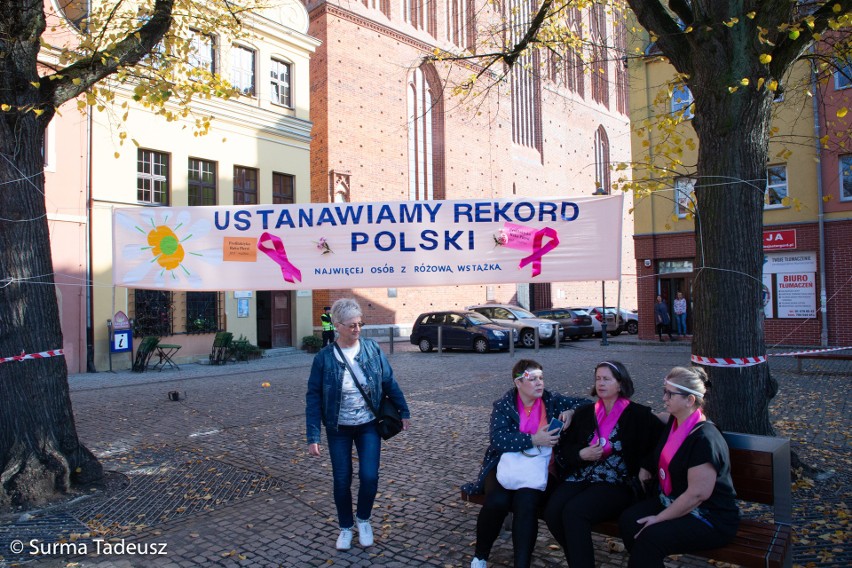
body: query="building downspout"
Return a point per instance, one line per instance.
(90, 330)
(823, 296)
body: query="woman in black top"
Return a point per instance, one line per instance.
(597, 456)
(695, 508)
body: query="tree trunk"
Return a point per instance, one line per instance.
(40, 454)
(733, 133)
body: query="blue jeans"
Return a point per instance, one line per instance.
(681, 323)
(369, 446)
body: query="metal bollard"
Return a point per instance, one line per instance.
(440, 340)
(556, 336)
(537, 339)
(512, 343)
(390, 338)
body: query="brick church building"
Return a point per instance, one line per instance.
(387, 126)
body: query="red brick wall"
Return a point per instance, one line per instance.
(359, 108)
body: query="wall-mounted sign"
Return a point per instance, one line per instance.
(792, 278)
(778, 240)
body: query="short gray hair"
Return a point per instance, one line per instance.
(345, 309)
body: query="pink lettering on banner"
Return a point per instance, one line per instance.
(279, 256)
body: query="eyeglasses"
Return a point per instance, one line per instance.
(667, 394)
(354, 326)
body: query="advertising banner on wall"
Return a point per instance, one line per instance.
(365, 245)
(792, 278)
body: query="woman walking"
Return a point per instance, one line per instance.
(335, 401)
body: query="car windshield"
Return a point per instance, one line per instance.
(477, 318)
(521, 313)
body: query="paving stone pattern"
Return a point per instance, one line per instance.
(222, 477)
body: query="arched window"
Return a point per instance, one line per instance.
(602, 183)
(425, 135)
(526, 86)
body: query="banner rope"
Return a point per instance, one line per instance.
(751, 361)
(40, 355)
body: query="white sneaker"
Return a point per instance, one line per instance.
(344, 541)
(365, 533)
(477, 563)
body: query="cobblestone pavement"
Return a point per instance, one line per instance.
(222, 476)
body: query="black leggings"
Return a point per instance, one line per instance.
(678, 536)
(572, 510)
(499, 502)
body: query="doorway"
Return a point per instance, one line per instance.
(274, 317)
(668, 289)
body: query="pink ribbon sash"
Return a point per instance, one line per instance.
(279, 256)
(606, 423)
(530, 424)
(539, 250)
(676, 437)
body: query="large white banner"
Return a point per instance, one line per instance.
(364, 245)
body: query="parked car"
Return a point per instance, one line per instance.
(631, 321)
(575, 323)
(460, 330)
(521, 320)
(614, 322)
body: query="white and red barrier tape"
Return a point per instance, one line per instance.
(728, 361)
(750, 361)
(41, 355)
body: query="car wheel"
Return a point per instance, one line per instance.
(480, 345)
(616, 333)
(575, 338)
(632, 327)
(425, 345)
(528, 338)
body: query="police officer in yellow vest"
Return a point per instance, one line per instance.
(327, 327)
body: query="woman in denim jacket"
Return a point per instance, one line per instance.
(334, 400)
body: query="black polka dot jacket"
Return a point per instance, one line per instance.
(505, 430)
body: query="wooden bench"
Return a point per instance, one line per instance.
(825, 356)
(760, 468)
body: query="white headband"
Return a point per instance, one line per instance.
(683, 388)
(529, 374)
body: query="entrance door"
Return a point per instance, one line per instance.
(282, 333)
(669, 287)
(273, 319)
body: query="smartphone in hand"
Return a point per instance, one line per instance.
(555, 424)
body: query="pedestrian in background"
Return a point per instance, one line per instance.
(334, 400)
(327, 327)
(680, 314)
(661, 316)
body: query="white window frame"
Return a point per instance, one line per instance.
(679, 103)
(778, 187)
(240, 71)
(684, 187)
(203, 54)
(152, 170)
(276, 84)
(844, 162)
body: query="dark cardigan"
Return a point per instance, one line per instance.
(638, 427)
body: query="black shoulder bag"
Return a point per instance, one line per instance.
(388, 420)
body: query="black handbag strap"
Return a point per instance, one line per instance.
(356, 381)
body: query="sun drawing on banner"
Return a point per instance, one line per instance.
(165, 247)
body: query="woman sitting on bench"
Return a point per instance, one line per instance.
(598, 456)
(696, 508)
(519, 423)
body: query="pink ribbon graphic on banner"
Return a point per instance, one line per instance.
(539, 251)
(279, 256)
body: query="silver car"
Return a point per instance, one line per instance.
(523, 321)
